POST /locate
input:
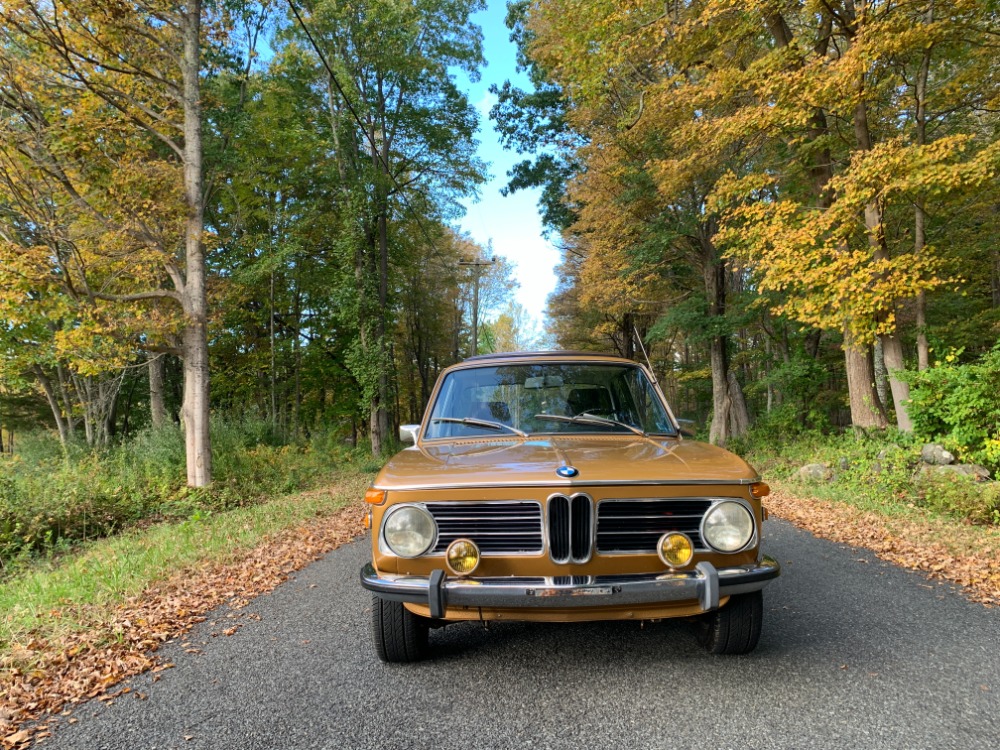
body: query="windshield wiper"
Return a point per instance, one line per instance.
(590, 419)
(472, 422)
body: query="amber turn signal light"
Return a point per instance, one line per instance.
(759, 490)
(374, 497)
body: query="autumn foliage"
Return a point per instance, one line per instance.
(811, 171)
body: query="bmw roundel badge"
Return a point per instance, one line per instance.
(567, 472)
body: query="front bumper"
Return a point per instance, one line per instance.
(705, 584)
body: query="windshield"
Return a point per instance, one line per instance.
(546, 399)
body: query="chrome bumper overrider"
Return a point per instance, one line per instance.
(706, 584)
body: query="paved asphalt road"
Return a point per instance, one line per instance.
(855, 654)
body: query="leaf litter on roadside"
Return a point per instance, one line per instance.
(45, 677)
(941, 549)
(78, 667)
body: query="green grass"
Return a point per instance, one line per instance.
(104, 573)
(52, 499)
(875, 472)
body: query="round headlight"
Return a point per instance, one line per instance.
(462, 556)
(675, 549)
(728, 527)
(409, 531)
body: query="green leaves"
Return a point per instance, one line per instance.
(960, 404)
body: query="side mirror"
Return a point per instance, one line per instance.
(408, 433)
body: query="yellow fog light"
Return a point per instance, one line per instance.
(675, 549)
(462, 557)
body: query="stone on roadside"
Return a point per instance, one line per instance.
(814, 473)
(936, 455)
(977, 472)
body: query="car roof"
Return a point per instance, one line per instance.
(551, 354)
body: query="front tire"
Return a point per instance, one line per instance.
(399, 635)
(734, 629)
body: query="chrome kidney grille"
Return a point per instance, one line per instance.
(571, 528)
(574, 529)
(497, 527)
(634, 526)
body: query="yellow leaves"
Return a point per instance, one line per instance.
(895, 170)
(819, 264)
(731, 189)
(96, 201)
(826, 266)
(766, 136)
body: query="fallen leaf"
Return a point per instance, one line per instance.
(947, 551)
(71, 668)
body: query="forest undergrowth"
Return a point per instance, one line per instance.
(52, 500)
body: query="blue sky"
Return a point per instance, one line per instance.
(512, 223)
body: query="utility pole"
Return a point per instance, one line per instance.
(477, 266)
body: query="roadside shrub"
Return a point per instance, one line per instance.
(877, 470)
(960, 496)
(51, 498)
(42, 507)
(959, 405)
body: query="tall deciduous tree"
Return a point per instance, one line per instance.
(810, 129)
(402, 129)
(138, 71)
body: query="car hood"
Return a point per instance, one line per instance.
(533, 461)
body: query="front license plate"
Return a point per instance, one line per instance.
(596, 591)
(592, 591)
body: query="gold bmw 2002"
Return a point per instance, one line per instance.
(557, 486)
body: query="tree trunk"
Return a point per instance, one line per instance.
(111, 418)
(50, 395)
(297, 359)
(881, 376)
(920, 216)
(380, 418)
(67, 402)
(157, 405)
(718, 431)
(729, 414)
(891, 344)
(739, 416)
(866, 409)
(85, 398)
(892, 347)
(195, 335)
(274, 369)
(923, 346)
